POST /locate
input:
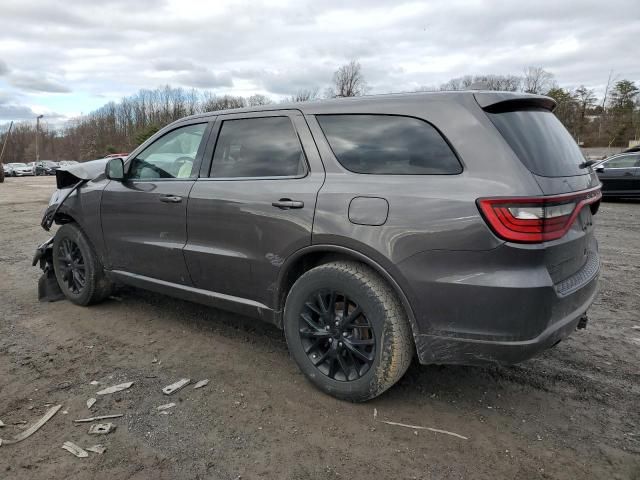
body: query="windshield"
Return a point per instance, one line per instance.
(541, 142)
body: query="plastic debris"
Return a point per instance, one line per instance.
(166, 406)
(75, 449)
(115, 388)
(97, 449)
(1, 424)
(201, 383)
(174, 387)
(417, 427)
(101, 428)
(93, 382)
(33, 428)
(90, 402)
(100, 417)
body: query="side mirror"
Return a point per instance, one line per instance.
(115, 169)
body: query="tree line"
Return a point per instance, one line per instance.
(120, 126)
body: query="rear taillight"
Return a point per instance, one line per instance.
(535, 219)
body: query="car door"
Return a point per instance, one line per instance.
(254, 206)
(144, 217)
(619, 174)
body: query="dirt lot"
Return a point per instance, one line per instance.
(572, 413)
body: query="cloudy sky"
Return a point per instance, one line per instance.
(64, 58)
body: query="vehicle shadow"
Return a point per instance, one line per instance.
(421, 381)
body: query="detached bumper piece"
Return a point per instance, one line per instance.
(48, 288)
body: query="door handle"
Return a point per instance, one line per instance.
(287, 203)
(171, 199)
(628, 174)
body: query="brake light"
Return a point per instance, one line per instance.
(535, 219)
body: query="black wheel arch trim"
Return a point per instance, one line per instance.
(279, 300)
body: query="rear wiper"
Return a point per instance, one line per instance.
(587, 163)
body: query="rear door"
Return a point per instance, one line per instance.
(254, 203)
(144, 217)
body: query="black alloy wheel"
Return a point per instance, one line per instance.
(336, 335)
(71, 265)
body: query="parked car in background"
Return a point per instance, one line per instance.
(620, 175)
(67, 163)
(8, 170)
(454, 226)
(21, 169)
(46, 167)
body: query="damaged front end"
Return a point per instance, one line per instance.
(68, 180)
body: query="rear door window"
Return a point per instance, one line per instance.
(258, 147)
(540, 141)
(386, 144)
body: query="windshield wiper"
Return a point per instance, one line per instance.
(587, 163)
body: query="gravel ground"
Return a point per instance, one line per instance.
(571, 413)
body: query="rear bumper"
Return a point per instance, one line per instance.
(472, 311)
(450, 350)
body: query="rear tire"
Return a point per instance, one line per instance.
(347, 331)
(78, 270)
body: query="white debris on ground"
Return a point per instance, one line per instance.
(115, 388)
(174, 387)
(102, 428)
(75, 449)
(201, 383)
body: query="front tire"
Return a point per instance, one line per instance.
(78, 270)
(347, 331)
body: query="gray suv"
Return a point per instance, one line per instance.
(452, 227)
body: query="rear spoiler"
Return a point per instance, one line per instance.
(498, 102)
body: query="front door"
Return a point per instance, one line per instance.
(144, 217)
(255, 205)
(619, 174)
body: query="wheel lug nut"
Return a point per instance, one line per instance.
(337, 323)
(327, 328)
(331, 340)
(339, 344)
(344, 334)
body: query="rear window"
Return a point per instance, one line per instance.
(540, 141)
(384, 144)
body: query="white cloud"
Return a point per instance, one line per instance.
(115, 47)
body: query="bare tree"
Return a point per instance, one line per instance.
(537, 80)
(258, 99)
(586, 99)
(509, 83)
(304, 95)
(348, 81)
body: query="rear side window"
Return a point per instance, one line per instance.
(626, 161)
(385, 144)
(540, 141)
(258, 147)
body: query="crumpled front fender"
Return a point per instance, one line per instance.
(48, 287)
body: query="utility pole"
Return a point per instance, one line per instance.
(6, 139)
(37, 136)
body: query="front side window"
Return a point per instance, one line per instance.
(386, 144)
(171, 156)
(627, 161)
(258, 147)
